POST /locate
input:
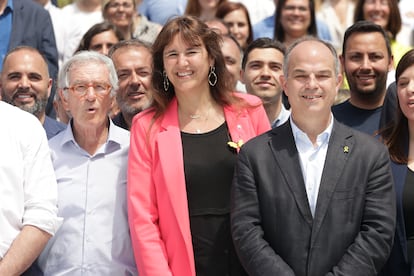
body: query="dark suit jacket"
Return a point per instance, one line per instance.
(398, 263)
(272, 225)
(32, 26)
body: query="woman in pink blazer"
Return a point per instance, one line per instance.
(182, 155)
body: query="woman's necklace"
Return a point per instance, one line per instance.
(198, 122)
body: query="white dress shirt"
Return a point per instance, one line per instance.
(312, 160)
(94, 238)
(28, 192)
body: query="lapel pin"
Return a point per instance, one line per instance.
(346, 149)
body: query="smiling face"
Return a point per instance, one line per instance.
(311, 83)
(25, 81)
(405, 89)
(377, 11)
(134, 68)
(238, 26)
(366, 64)
(262, 73)
(296, 17)
(89, 110)
(120, 12)
(187, 66)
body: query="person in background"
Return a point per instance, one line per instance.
(233, 53)
(100, 38)
(386, 14)
(295, 19)
(218, 25)
(258, 10)
(366, 60)
(79, 17)
(312, 196)
(262, 67)
(236, 16)
(90, 162)
(160, 11)
(25, 83)
(28, 192)
(339, 14)
(123, 14)
(182, 156)
(133, 64)
(203, 9)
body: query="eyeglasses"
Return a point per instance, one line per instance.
(82, 88)
(116, 6)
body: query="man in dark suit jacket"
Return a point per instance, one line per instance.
(32, 26)
(312, 197)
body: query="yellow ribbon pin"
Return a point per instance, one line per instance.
(346, 149)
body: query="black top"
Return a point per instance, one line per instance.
(408, 209)
(119, 120)
(209, 164)
(365, 120)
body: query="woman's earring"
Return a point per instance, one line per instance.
(212, 76)
(165, 82)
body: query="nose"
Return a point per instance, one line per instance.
(265, 72)
(182, 60)
(105, 50)
(90, 94)
(24, 82)
(134, 78)
(365, 64)
(410, 87)
(312, 82)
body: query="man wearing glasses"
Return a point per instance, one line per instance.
(90, 161)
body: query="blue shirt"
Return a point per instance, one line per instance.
(265, 28)
(52, 127)
(5, 30)
(160, 11)
(94, 238)
(312, 160)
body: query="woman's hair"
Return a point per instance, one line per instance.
(96, 29)
(279, 33)
(195, 33)
(394, 19)
(227, 7)
(395, 135)
(193, 7)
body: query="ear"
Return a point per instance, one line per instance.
(242, 77)
(342, 60)
(64, 99)
(283, 81)
(49, 87)
(391, 65)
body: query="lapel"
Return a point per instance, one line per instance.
(238, 123)
(172, 166)
(17, 30)
(286, 154)
(341, 144)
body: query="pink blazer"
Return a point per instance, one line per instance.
(157, 197)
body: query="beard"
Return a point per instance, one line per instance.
(128, 109)
(36, 109)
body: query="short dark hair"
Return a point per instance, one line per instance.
(130, 43)
(262, 43)
(366, 27)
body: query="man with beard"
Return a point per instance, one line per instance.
(133, 64)
(262, 67)
(25, 83)
(366, 59)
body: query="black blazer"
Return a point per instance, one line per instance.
(272, 225)
(32, 26)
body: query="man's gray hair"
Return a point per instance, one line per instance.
(87, 57)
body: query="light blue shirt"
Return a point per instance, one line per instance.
(160, 11)
(282, 118)
(265, 28)
(6, 21)
(312, 160)
(94, 238)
